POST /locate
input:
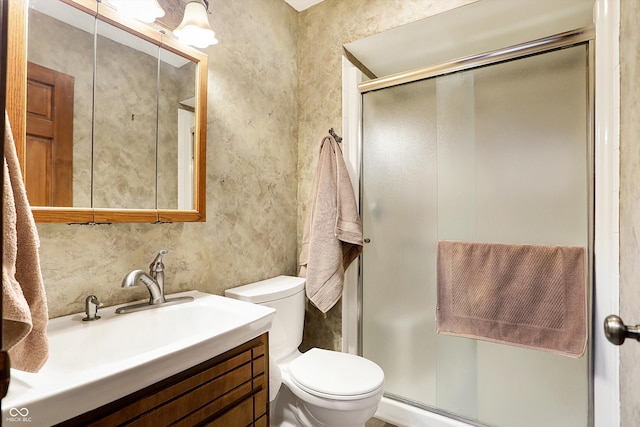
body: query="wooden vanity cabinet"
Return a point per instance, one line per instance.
(228, 390)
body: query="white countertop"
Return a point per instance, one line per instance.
(93, 363)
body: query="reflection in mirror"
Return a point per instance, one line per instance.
(58, 146)
(176, 127)
(125, 120)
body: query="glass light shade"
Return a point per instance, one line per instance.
(142, 10)
(194, 29)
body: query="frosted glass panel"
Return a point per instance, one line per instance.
(531, 141)
(400, 210)
(494, 154)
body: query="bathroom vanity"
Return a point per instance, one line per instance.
(227, 390)
(200, 363)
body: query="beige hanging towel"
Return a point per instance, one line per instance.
(332, 235)
(24, 305)
(529, 296)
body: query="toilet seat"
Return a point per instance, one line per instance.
(335, 375)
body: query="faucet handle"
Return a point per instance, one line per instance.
(157, 265)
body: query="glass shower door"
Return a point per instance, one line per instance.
(493, 154)
(400, 217)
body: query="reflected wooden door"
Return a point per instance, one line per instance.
(49, 143)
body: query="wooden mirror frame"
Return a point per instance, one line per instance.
(16, 108)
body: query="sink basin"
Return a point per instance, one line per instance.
(93, 363)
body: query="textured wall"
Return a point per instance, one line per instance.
(324, 28)
(629, 207)
(250, 232)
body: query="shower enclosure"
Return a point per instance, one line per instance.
(494, 151)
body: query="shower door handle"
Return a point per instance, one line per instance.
(616, 331)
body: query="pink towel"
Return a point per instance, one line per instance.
(24, 304)
(525, 295)
(332, 235)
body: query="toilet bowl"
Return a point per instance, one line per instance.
(317, 388)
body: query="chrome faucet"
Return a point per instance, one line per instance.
(155, 291)
(91, 305)
(154, 281)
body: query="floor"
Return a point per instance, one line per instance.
(373, 422)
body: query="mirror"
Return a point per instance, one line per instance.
(176, 123)
(59, 82)
(125, 120)
(133, 144)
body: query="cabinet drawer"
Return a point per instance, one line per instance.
(239, 416)
(203, 402)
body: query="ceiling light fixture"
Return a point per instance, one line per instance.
(194, 29)
(142, 10)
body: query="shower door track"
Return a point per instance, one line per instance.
(533, 47)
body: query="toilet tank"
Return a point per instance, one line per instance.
(286, 295)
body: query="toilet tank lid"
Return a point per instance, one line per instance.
(267, 290)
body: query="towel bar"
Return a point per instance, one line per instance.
(616, 331)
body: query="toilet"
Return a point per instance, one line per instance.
(317, 388)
